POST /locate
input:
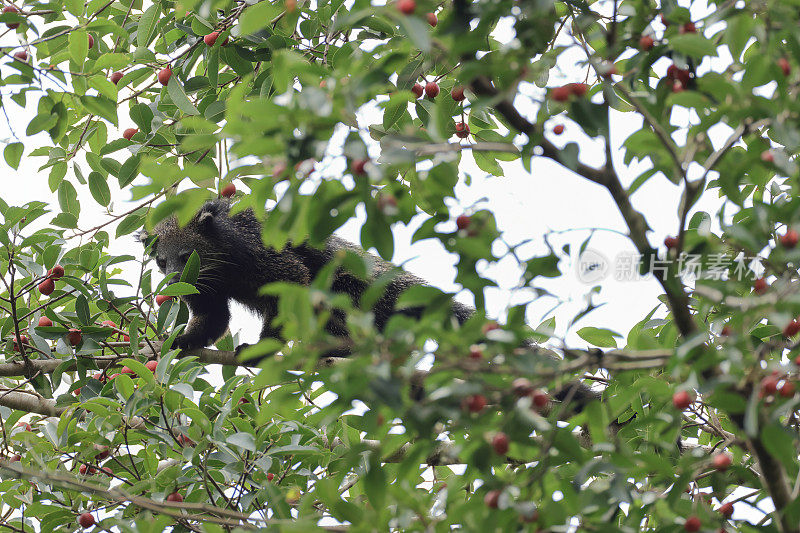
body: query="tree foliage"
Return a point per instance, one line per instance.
(272, 96)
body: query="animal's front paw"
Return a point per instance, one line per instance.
(188, 342)
(241, 347)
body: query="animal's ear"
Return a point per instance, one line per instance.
(142, 236)
(205, 221)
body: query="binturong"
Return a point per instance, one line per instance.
(235, 264)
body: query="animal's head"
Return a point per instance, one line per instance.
(174, 244)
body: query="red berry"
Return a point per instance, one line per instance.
(463, 221)
(692, 524)
(722, 461)
(664, 20)
(726, 331)
(671, 243)
(45, 322)
(24, 425)
(386, 201)
(490, 326)
(160, 299)
(500, 443)
(610, 70)
(787, 390)
(790, 238)
(185, 441)
(786, 68)
(22, 340)
(22, 55)
(417, 89)
(540, 399)
(432, 19)
(560, 94)
(791, 329)
(726, 509)
(47, 286)
(175, 497)
(767, 156)
(74, 336)
(211, 38)
(91, 41)
(164, 75)
(86, 520)
(151, 366)
(15, 458)
(11, 9)
(558, 129)
(270, 476)
(475, 352)
(760, 286)
(457, 93)
(357, 166)
(462, 130)
(127, 370)
(681, 400)
(646, 43)
(57, 272)
(431, 89)
(108, 323)
(115, 77)
(689, 27)
(102, 452)
(521, 387)
(578, 89)
(677, 87)
(107, 471)
(406, 7)
(769, 385)
(228, 190)
(476, 403)
(86, 469)
(129, 133)
(491, 499)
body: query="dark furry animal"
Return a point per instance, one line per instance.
(234, 265)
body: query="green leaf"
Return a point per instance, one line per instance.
(780, 445)
(147, 25)
(604, 338)
(129, 224)
(488, 163)
(142, 115)
(101, 106)
(179, 97)
(78, 46)
(693, 44)
(258, 16)
(129, 170)
(417, 31)
(178, 289)
(114, 61)
(13, 154)
(192, 269)
(99, 188)
(82, 310)
(68, 198)
(41, 122)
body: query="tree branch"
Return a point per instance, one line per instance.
(608, 178)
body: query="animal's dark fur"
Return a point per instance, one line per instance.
(235, 265)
